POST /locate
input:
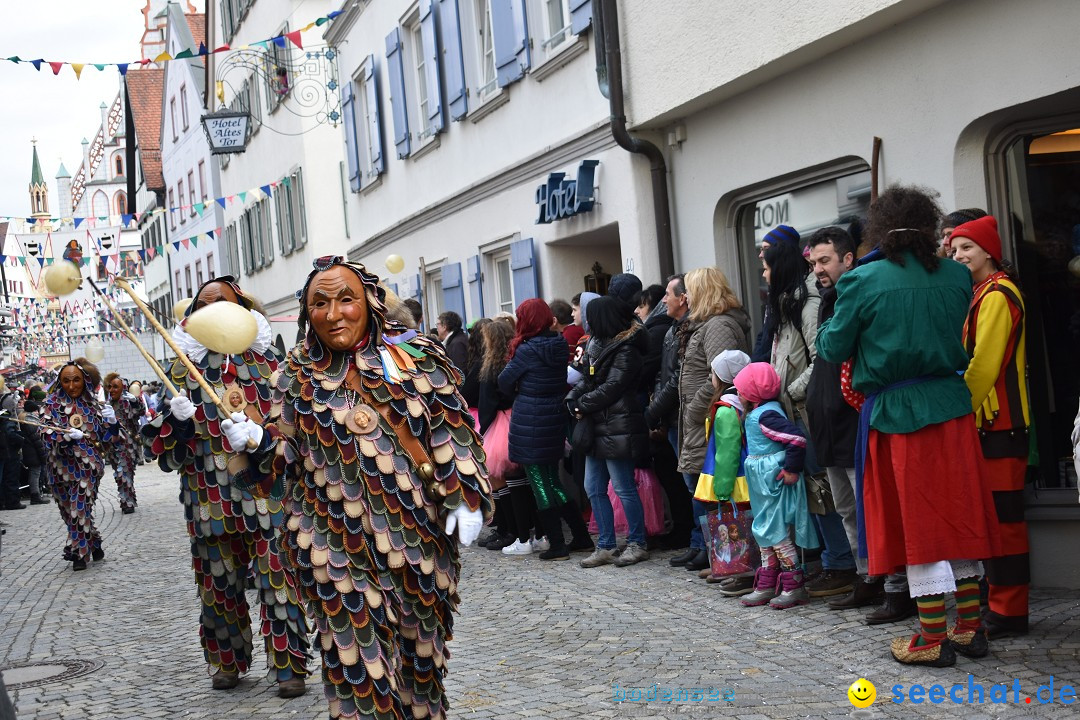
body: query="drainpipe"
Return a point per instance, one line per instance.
(609, 77)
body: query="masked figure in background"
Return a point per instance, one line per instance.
(372, 445)
(229, 528)
(127, 450)
(76, 459)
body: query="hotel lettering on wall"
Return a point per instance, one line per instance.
(560, 198)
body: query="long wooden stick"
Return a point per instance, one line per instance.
(36, 424)
(207, 388)
(166, 381)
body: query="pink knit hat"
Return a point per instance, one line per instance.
(758, 382)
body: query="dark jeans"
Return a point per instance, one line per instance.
(10, 483)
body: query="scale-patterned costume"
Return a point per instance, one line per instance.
(125, 455)
(229, 528)
(75, 467)
(364, 531)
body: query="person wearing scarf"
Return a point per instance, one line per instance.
(76, 459)
(997, 378)
(128, 451)
(373, 448)
(229, 529)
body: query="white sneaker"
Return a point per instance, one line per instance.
(541, 545)
(518, 548)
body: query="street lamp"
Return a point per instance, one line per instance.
(227, 131)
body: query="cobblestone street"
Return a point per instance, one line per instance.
(533, 640)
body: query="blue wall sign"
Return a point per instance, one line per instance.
(560, 198)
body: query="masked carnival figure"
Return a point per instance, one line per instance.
(234, 536)
(75, 459)
(371, 444)
(127, 450)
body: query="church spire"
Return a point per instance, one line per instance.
(36, 178)
(39, 195)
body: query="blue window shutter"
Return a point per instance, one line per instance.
(393, 287)
(348, 109)
(510, 28)
(418, 289)
(429, 37)
(453, 290)
(580, 15)
(476, 285)
(374, 129)
(523, 268)
(396, 65)
(453, 63)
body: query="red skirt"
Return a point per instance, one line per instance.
(926, 497)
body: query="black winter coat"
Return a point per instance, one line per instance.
(832, 422)
(607, 396)
(657, 324)
(33, 450)
(663, 410)
(536, 378)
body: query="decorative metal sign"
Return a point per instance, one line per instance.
(560, 198)
(227, 131)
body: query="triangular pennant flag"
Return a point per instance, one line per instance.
(333, 14)
(307, 27)
(122, 67)
(15, 59)
(41, 261)
(37, 64)
(146, 61)
(286, 181)
(56, 67)
(294, 37)
(195, 241)
(279, 41)
(86, 262)
(266, 189)
(223, 48)
(322, 21)
(3, 258)
(210, 234)
(32, 221)
(242, 196)
(221, 202)
(199, 207)
(126, 219)
(185, 53)
(150, 254)
(163, 57)
(77, 67)
(100, 66)
(202, 49)
(264, 44)
(176, 246)
(186, 242)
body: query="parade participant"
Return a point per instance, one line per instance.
(228, 528)
(901, 318)
(373, 447)
(126, 453)
(997, 378)
(76, 459)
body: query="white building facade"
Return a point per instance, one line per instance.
(478, 148)
(287, 185)
(773, 111)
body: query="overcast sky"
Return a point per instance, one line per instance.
(58, 110)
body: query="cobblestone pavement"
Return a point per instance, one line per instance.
(533, 640)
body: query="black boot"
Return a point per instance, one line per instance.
(700, 561)
(552, 525)
(683, 558)
(897, 606)
(579, 531)
(38, 500)
(863, 595)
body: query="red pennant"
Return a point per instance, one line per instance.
(186, 243)
(56, 67)
(223, 48)
(294, 36)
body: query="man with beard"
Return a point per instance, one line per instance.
(230, 529)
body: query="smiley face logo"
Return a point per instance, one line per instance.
(862, 693)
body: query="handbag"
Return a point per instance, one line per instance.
(732, 547)
(583, 435)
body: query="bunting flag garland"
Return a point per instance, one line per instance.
(126, 219)
(278, 40)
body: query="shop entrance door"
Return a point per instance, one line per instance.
(1043, 194)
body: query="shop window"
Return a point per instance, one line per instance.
(807, 206)
(1041, 217)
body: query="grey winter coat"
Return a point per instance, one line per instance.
(710, 338)
(793, 353)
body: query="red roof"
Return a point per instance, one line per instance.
(145, 87)
(197, 24)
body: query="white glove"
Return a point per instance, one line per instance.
(108, 414)
(239, 428)
(73, 435)
(182, 408)
(467, 522)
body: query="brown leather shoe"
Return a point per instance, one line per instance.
(863, 595)
(225, 680)
(293, 687)
(704, 573)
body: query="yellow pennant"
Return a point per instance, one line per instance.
(77, 67)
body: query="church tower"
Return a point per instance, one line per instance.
(39, 196)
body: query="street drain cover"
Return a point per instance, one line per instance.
(43, 672)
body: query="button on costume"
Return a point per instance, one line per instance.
(230, 529)
(376, 455)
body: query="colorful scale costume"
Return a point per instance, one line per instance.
(229, 528)
(125, 453)
(75, 467)
(364, 531)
